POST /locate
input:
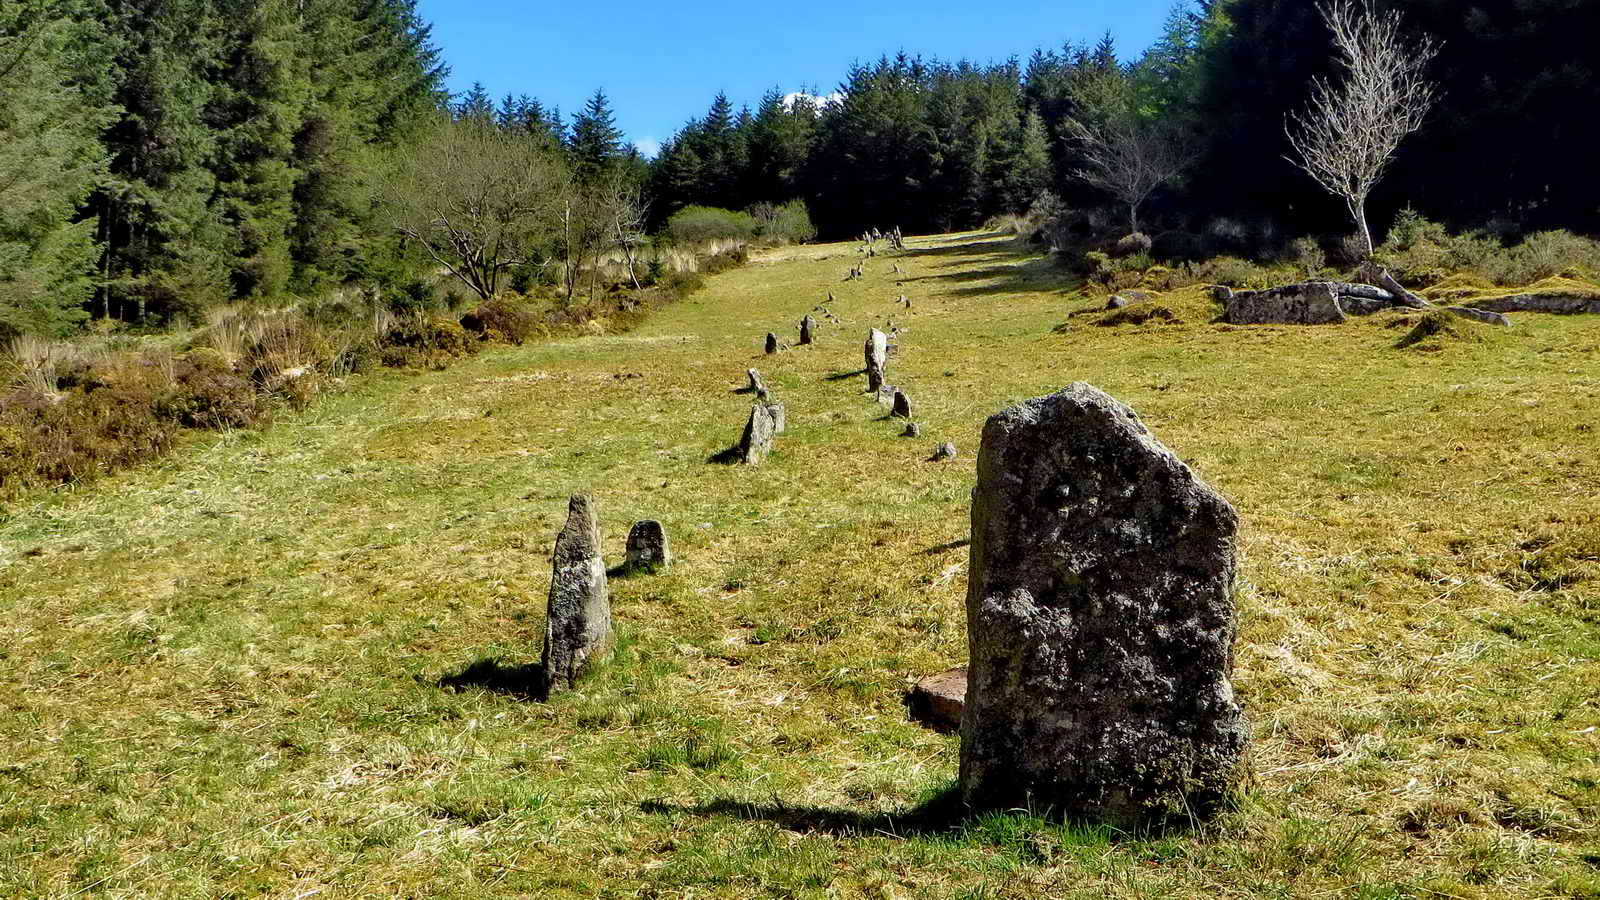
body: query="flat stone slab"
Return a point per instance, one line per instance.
(937, 701)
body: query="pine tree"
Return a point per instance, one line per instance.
(55, 95)
(595, 143)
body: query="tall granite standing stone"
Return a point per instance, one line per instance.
(877, 356)
(756, 442)
(647, 546)
(808, 328)
(578, 627)
(1100, 620)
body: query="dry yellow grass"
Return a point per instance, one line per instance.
(231, 672)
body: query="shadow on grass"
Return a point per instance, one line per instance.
(942, 812)
(524, 682)
(844, 376)
(624, 571)
(946, 548)
(728, 457)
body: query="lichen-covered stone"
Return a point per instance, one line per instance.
(756, 441)
(578, 624)
(901, 405)
(876, 353)
(1101, 620)
(647, 546)
(1314, 303)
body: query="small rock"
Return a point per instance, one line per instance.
(912, 430)
(647, 546)
(943, 452)
(937, 701)
(902, 405)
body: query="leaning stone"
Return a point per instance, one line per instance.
(808, 327)
(902, 405)
(578, 625)
(647, 546)
(936, 701)
(876, 352)
(1313, 303)
(756, 442)
(757, 386)
(912, 430)
(943, 452)
(1100, 621)
(772, 343)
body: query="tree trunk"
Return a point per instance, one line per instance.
(1133, 217)
(1358, 209)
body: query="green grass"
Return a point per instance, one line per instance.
(287, 661)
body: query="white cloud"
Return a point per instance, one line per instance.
(820, 100)
(648, 147)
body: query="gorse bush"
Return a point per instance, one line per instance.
(702, 224)
(786, 223)
(1424, 253)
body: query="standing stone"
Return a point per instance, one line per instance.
(877, 354)
(772, 343)
(647, 546)
(578, 627)
(943, 452)
(756, 442)
(912, 430)
(757, 386)
(902, 405)
(1101, 620)
(808, 328)
(779, 420)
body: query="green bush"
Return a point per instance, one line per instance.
(700, 224)
(787, 223)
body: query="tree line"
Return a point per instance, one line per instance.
(1189, 131)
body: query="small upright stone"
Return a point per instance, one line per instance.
(772, 343)
(647, 546)
(1100, 621)
(578, 625)
(756, 442)
(943, 452)
(808, 328)
(757, 386)
(902, 405)
(912, 430)
(877, 356)
(779, 420)
(886, 395)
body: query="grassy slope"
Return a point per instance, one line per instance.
(221, 674)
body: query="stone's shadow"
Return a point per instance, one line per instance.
(623, 572)
(942, 813)
(728, 457)
(745, 390)
(524, 682)
(946, 548)
(844, 376)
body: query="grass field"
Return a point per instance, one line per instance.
(284, 662)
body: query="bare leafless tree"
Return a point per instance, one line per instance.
(627, 216)
(478, 200)
(1350, 131)
(1122, 150)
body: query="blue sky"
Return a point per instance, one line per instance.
(661, 63)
